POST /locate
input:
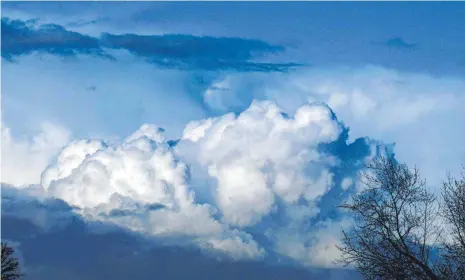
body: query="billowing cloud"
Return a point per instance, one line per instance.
(142, 168)
(140, 185)
(263, 153)
(413, 110)
(242, 186)
(278, 176)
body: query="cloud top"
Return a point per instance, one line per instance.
(260, 154)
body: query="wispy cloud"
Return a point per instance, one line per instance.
(398, 43)
(176, 51)
(22, 37)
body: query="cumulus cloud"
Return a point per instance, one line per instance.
(413, 110)
(23, 159)
(142, 168)
(262, 153)
(242, 186)
(279, 175)
(141, 185)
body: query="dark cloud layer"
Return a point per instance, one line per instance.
(177, 51)
(188, 51)
(21, 38)
(75, 250)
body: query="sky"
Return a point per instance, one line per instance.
(210, 140)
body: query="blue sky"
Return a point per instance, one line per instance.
(227, 132)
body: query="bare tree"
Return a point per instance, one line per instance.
(396, 229)
(10, 264)
(453, 212)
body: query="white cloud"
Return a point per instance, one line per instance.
(346, 183)
(237, 244)
(142, 168)
(254, 165)
(414, 110)
(118, 183)
(23, 159)
(314, 247)
(69, 159)
(262, 154)
(263, 163)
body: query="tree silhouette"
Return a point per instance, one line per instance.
(10, 264)
(453, 212)
(399, 226)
